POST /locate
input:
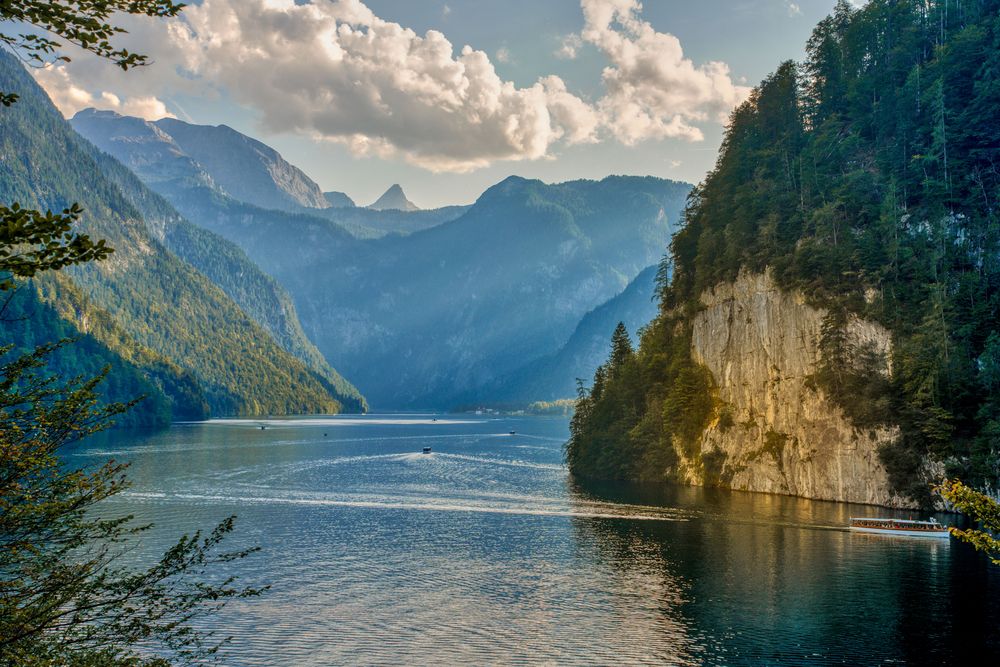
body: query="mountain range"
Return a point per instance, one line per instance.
(238, 285)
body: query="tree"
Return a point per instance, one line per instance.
(621, 349)
(63, 598)
(80, 22)
(31, 242)
(982, 508)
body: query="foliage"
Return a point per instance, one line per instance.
(63, 598)
(982, 508)
(626, 428)
(80, 22)
(868, 177)
(561, 406)
(29, 323)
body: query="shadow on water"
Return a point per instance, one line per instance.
(767, 579)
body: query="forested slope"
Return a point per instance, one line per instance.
(866, 179)
(160, 307)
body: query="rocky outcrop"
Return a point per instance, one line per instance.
(773, 432)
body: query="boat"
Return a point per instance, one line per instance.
(427, 450)
(904, 527)
(513, 432)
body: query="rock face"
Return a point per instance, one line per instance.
(776, 434)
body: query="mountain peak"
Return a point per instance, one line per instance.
(394, 198)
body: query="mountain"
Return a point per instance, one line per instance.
(832, 327)
(170, 393)
(245, 168)
(338, 200)
(144, 303)
(423, 308)
(554, 377)
(424, 320)
(393, 199)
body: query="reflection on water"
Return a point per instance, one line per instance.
(485, 552)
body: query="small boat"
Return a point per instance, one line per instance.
(903, 527)
(513, 432)
(427, 450)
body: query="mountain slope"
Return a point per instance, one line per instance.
(393, 199)
(222, 262)
(554, 377)
(161, 303)
(245, 168)
(338, 200)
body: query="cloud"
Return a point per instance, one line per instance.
(334, 71)
(70, 98)
(569, 48)
(652, 90)
(503, 54)
(793, 8)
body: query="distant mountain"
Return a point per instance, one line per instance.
(367, 223)
(393, 199)
(170, 150)
(245, 168)
(554, 376)
(145, 304)
(338, 200)
(162, 164)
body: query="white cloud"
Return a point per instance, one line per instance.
(333, 70)
(652, 90)
(503, 54)
(793, 8)
(570, 47)
(70, 98)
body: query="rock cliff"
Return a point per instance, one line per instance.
(773, 432)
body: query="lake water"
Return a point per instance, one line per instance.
(485, 552)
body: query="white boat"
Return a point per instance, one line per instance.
(903, 527)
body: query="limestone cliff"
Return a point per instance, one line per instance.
(773, 432)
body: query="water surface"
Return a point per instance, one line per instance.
(485, 552)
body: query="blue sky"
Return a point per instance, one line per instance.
(361, 146)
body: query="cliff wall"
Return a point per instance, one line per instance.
(773, 432)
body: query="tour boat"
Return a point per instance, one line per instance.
(904, 527)
(427, 450)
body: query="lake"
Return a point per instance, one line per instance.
(485, 551)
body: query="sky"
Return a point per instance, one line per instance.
(448, 97)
